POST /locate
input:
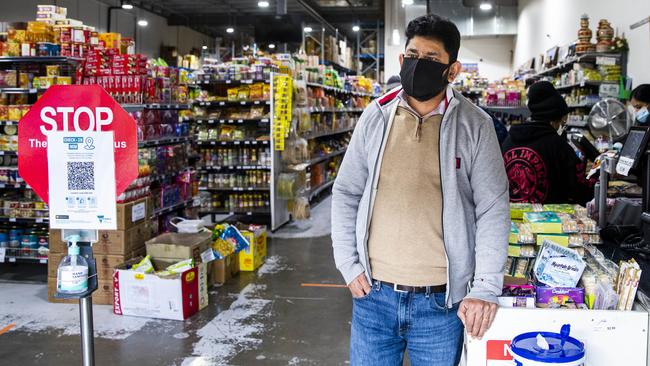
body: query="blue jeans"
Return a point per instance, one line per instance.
(385, 323)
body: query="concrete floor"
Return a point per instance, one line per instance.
(264, 318)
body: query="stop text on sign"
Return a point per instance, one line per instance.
(82, 119)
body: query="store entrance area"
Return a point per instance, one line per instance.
(279, 315)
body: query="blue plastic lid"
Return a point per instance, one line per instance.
(561, 347)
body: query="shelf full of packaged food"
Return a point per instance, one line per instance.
(315, 135)
(584, 83)
(11, 153)
(8, 123)
(21, 90)
(37, 59)
(163, 142)
(224, 103)
(339, 90)
(339, 68)
(317, 190)
(587, 57)
(160, 106)
(237, 212)
(233, 189)
(172, 208)
(8, 185)
(581, 105)
(229, 81)
(335, 110)
(233, 142)
(25, 220)
(233, 167)
(579, 124)
(321, 159)
(231, 121)
(11, 255)
(518, 110)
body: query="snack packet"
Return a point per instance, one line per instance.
(144, 266)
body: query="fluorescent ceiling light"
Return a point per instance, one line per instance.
(272, 46)
(205, 47)
(396, 37)
(263, 4)
(407, 2)
(308, 29)
(230, 30)
(355, 28)
(126, 5)
(485, 6)
(143, 23)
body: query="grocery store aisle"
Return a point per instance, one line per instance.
(265, 318)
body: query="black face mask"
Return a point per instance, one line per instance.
(423, 79)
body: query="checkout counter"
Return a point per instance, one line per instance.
(611, 337)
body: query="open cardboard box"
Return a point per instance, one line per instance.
(147, 295)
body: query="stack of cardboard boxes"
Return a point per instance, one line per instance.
(113, 248)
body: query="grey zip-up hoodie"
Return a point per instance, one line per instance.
(476, 216)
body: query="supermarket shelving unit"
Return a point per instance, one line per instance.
(324, 187)
(274, 211)
(369, 62)
(36, 221)
(167, 141)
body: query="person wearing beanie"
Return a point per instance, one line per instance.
(541, 165)
(393, 82)
(640, 103)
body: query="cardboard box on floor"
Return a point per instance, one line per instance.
(148, 295)
(103, 295)
(222, 270)
(179, 246)
(111, 242)
(106, 263)
(132, 213)
(252, 257)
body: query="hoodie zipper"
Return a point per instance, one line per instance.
(372, 190)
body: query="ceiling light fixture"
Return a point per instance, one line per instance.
(407, 2)
(263, 4)
(485, 6)
(143, 22)
(126, 5)
(230, 30)
(272, 46)
(396, 37)
(356, 28)
(308, 29)
(205, 47)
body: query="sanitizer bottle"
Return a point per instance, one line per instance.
(73, 270)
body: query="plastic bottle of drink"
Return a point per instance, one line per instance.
(72, 275)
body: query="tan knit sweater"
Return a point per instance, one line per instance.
(406, 244)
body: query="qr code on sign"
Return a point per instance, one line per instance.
(81, 175)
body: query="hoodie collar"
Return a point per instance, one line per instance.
(441, 109)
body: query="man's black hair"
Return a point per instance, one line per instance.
(432, 26)
(642, 93)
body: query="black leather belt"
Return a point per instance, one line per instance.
(416, 289)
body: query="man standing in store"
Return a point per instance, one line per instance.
(420, 212)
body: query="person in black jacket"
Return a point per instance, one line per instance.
(541, 165)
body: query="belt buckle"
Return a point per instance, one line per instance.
(397, 290)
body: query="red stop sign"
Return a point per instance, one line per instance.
(75, 108)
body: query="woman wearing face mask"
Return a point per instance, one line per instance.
(640, 103)
(541, 165)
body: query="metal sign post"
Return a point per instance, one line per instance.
(88, 237)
